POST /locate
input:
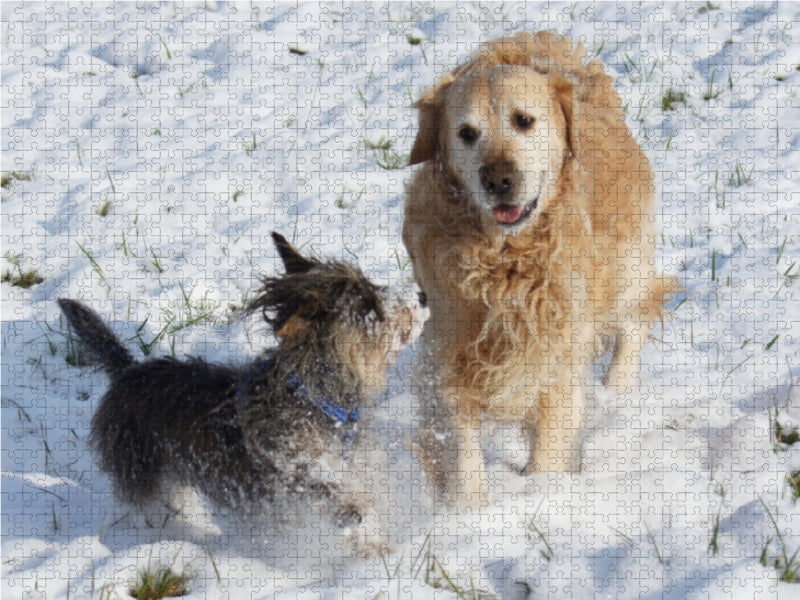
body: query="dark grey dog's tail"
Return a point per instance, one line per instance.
(96, 339)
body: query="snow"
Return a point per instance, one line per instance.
(197, 131)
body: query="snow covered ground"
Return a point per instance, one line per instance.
(149, 149)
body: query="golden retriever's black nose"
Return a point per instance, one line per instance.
(498, 177)
(423, 299)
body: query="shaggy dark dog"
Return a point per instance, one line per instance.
(286, 429)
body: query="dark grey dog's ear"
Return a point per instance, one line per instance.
(292, 259)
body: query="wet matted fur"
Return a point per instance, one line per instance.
(530, 228)
(285, 430)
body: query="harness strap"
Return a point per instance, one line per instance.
(325, 404)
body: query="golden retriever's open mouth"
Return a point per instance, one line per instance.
(509, 215)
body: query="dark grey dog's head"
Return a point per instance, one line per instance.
(330, 306)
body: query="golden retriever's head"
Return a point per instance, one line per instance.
(503, 136)
(502, 125)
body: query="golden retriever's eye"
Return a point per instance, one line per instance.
(523, 122)
(468, 135)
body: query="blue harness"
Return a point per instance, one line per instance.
(325, 404)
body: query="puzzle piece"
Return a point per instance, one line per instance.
(149, 151)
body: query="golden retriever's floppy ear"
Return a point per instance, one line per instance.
(565, 96)
(581, 87)
(430, 121)
(425, 143)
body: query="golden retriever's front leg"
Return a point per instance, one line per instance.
(472, 487)
(623, 372)
(554, 427)
(448, 446)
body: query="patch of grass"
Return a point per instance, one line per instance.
(386, 157)
(739, 176)
(713, 543)
(707, 7)
(20, 277)
(661, 559)
(784, 436)
(402, 263)
(435, 575)
(156, 262)
(23, 279)
(54, 518)
(190, 312)
(547, 553)
(22, 414)
(95, 265)
(710, 92)
(213, 563)
(74, 357)
(427, 568)
(787, 566)
(668, 144)
(383, 143)
(201, 82)
(162, 583)
(772, 342)
(793, 479)
(780, 250)
(8, 178)
(638, 73)
(714, 265)
(166, 48)
(125, 248)
(250, 145)
(391, 160)
(147, 347)
(672, 99)
(347, 200)
(111, 182)
(719, 193)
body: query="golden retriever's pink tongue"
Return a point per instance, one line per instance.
(507, 214)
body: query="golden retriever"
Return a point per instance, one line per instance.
(530, 229)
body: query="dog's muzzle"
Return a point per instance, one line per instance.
(505, 186)
(499, 178)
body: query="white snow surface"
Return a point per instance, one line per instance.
(164, 142)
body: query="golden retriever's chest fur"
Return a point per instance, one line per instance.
(503, 307)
